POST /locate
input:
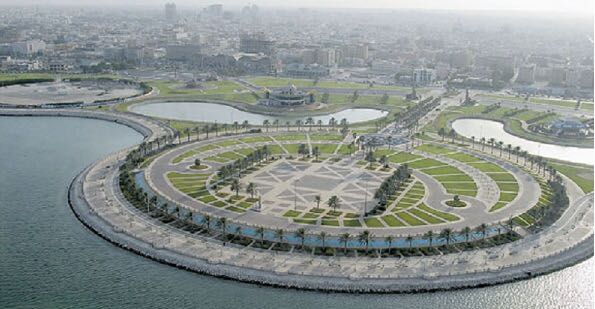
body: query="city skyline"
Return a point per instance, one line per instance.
(573, 7)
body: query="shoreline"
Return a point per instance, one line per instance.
(506, 128)
(87, 213)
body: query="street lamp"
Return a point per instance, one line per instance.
(295, 193)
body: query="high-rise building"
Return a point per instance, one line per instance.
(423, 76)
(256, 43)
(170, 12)
(214, 10)
(526, 74)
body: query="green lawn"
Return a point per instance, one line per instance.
(409, 219)
(425, 163)
(373, 222)
(392, 221)
(440, 214)
(326, 137)
(582, 176)
(429, 148)
(403, 157)
(425, 216)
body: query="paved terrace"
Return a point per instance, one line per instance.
(94, 198)
(476, 213)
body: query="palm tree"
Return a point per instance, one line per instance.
(517, 152)
(222, 223)
(266, 124)
(276, 124)
(442, 133)
(187, 132)
(492, 142)
(446, 234)
(245, 124)
(316, 152)
(472, 142)
(301, 234)
(389, 241)
(251, 189)
(429, 235)
(409, 239)
(317, 199)
(309, 122)
(333, 202)
(332, 122)
(279, 234)
(287, 123)
(509, 149)
(482, 228)
(298, 124)
(236, 125)
(501, 146)
(322, 237)
(235, 186)
(206, 220)
(260, 231)
(364, 238)
(483, 143)
(344, 238)
(319, 123)
(466, 231)
(197, 132)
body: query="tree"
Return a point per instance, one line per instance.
(482, 228)
(298, 124)
(370, 156)
(446, 234)
(266, 124)
(316, 152)
(483, 143)
(301, 234)
(322, 237)
(222, 223)
(251, 189)
(279, 234)
(466, 231)
(317, 199)
(442, 133)
(492, 142)
(409, 239)
(429, 235)
(206, 220)
(260, 231)
(309, 122)
(303, 150)
(364, 238)
(333, 202)
(389, 241)
(197, 162)
(276, 124)
(236, 186)
(344, 238)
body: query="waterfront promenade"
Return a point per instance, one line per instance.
(95, 198)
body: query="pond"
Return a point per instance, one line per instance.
(211, 112)
(493, 129)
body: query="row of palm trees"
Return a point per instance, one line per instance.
(532, 160)
(236, 167)
(364, 238)
(389, 186)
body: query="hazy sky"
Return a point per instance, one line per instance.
(583, 7)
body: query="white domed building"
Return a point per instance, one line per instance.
(289, 96)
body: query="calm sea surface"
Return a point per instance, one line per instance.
(49, 260)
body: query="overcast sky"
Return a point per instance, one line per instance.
(583, 7)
